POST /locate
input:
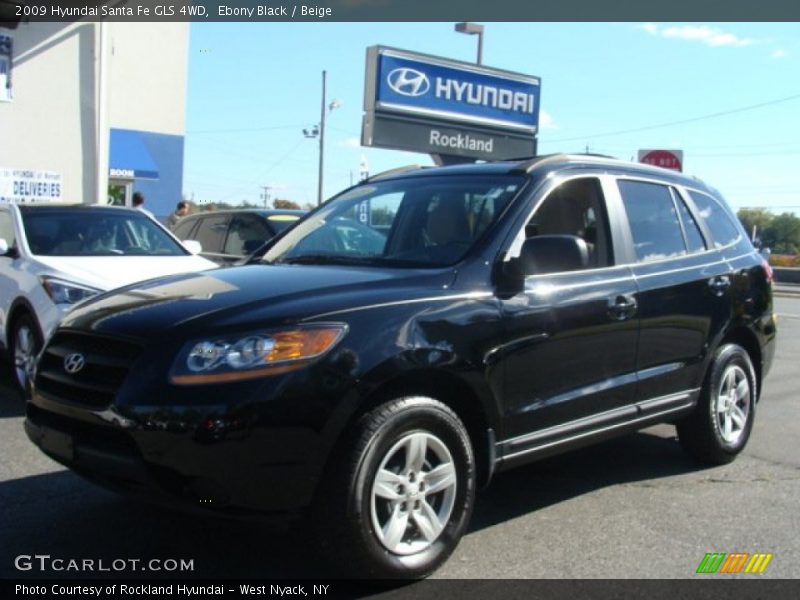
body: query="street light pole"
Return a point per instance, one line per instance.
(473, 29)
(321, 142)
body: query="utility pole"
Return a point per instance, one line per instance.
(321, 141)
(265, 195)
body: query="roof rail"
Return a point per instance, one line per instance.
(527, 165)
(397, 171)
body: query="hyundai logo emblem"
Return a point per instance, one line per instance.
(408, 82)
(74, 363)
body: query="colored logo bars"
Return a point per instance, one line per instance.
(736, 562)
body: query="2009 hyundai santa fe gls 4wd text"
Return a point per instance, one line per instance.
(412, 336)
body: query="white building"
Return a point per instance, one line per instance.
(93, 110)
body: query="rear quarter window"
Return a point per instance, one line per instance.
(719, 222)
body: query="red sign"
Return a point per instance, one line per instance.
(666, 159)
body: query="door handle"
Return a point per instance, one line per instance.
(719, 284)
(622, 307)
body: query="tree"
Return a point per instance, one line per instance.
(760, 218)
(783, 234)
(286, 204)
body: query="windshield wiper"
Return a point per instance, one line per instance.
(328, 259)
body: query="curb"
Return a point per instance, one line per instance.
(787, 291)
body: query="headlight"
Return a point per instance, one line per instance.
(66, 292)
(215, 360)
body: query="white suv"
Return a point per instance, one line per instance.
(54, 256)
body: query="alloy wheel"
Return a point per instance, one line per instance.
(24, 354)
(733, 404)
(413, 493)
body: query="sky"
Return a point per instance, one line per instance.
(727, 94)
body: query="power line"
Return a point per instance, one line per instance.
(244, 129)
(681, 122)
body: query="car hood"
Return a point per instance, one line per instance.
(109, 272)
(240, 297)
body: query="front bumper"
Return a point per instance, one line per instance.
(197, 465)
(257, 446)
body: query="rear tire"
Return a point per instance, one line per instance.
(399, 496)
(718, 430)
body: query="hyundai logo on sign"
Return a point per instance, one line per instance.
(408, 82)
(453, 91)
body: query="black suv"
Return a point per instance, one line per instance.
(411, 337)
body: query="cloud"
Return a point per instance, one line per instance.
(698, 33)
(546, 121)
(351, 142)
(778, 54)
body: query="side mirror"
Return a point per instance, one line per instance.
(6, 251)
(553, 254)
(192, 246)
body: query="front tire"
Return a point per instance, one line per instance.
(400, 496)
(25, 343)
(720, 426)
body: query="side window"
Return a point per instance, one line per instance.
(184, 228)
(694, 238)
(577, 208)
(653, 219)
(717, 218)
(211, 232)
(7, 228)
(246, 234)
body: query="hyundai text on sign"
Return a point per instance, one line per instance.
(456, 92)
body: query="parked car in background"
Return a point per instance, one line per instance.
(54, 256)
(371, 382)
(227, 236)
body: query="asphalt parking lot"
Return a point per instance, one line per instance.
(635, 507)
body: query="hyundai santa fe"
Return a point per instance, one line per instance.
(411, 337)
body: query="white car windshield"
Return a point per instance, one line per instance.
(54, 231)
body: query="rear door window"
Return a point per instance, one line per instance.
(211, 233)
(717, 219)
(653, 219)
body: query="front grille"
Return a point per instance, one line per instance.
(107, 362)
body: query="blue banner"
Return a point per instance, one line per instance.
(457, 93)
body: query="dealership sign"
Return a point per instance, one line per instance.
(450, 107)
(666, 159)
(25, 186)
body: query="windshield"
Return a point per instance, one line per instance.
(420, 222)
(55, 232)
